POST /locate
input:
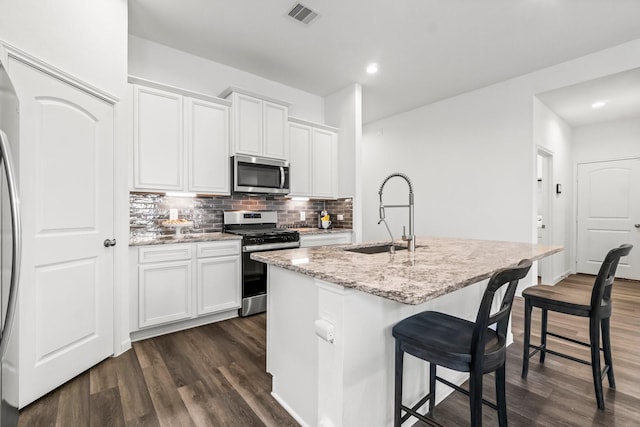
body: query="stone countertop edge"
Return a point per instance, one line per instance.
(439, 265)
(185, 238)
(307, 231)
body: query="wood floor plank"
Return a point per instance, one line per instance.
(106, 409)
(137, 407)
(73, 406)
(42, 412)
(169, 406)
(267, 409)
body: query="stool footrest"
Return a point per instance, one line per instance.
(465, 392)
(556, 353)
(571, 340)
(413, 411)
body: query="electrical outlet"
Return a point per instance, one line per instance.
(303, 216)
(340, 217)
(173, 213)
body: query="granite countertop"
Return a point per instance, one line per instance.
(438, 266)
(311, 230)
(185, 238)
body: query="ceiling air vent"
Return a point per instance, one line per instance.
(302, 13)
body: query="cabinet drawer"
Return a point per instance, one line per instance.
(325, 239)
(164, 253)
(214, 249)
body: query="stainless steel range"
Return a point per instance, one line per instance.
(259, 233)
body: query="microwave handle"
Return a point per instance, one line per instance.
(281, 177)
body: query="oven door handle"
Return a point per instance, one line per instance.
(281, 177)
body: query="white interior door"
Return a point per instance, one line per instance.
(66, 187)
(608, 214)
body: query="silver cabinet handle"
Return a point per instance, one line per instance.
(636, 225)
(108, 243)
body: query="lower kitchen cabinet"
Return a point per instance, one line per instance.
(325, 239)
(164, 292)
(218, 284)
(182, 285)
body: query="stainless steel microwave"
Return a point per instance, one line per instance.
(260, 175)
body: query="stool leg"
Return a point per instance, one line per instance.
(606, 346)
(527, 337)
(594, 336)
(501, 396)
(432, 386)
(543, 335)
(397, 408)
(475, 397)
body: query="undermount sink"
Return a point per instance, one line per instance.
(376, 249)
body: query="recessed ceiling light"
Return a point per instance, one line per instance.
(599, 104)
(372, 68)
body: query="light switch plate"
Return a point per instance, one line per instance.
(303, 216)
(340, 217)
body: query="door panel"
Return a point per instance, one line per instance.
(608, 209)
(66, 189)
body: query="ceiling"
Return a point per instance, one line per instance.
(427, 50)
(620, 92)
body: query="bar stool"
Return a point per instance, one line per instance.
(594, 303)
(458, 344)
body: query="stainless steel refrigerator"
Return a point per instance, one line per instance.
(9, 251)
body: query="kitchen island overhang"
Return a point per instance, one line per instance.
(349, 381)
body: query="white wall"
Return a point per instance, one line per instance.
(87, 39)
(607, 141)
(472, 156)
(555, 135)
(153, 61)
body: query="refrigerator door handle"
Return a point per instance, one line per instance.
(16, 237)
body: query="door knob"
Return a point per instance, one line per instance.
(108, 242)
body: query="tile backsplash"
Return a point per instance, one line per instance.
(148, 210)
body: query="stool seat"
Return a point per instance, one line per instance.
(576, 301)
(446, 341)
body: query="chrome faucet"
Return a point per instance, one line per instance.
(411, 238)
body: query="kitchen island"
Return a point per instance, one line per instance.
(330, 313)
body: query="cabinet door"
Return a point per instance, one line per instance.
(158, 140)
(207, 139)
(300, 158)
(164, 292)
(218, 284)
(247, 124)
(324, 163)
(276, 141)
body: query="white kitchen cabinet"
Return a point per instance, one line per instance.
(181, 140)
(314, 159)
(325, 239)
(158, 140)
(259, 125)
(218, 273)
(300, 159)
(207, 140)
(164, 284)
(183, 285)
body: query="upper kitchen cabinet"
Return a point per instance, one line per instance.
(259, 125)
(314, 159)
(181, 140)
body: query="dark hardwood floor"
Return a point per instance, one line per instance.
(560, 392)
(214, 376)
